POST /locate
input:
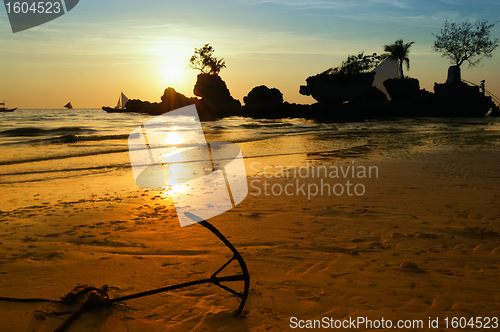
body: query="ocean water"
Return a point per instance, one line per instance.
(40, 145)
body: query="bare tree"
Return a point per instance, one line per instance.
(204, 61)
(466, 42)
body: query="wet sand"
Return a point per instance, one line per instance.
(423, 241)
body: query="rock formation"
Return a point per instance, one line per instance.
(216, 100)
(340, 88)
(402, 89)
(172, 100)
(262, 96)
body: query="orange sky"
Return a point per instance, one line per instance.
(101, 48)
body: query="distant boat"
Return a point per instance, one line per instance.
(120, 106)
(4, 109)
(68, 106)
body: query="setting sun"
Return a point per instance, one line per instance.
(173, 72)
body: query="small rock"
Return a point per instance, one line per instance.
(410, 267)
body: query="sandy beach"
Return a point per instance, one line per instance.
(420, 243)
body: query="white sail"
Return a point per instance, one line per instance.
(124, 100)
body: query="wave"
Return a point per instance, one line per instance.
(255, 125)
(34, 131)
(76, 154)
(76, 169)
(71, 138)
(68, 138)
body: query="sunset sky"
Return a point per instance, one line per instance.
(103, 47)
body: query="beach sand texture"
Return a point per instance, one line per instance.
(423, 241)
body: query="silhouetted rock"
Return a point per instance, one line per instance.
(172, 100)
(461, 99)
(212, 88)
(338, 88)
(375, 95)
(139, 106)
(457, 90)
(216, 100)
(262, 96)
(402, 89)
(263, 102)
(457, 98)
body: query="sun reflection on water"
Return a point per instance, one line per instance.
(174, 138)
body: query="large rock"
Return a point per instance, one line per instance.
(172, 100)
(139, 106)
(461, 99)
(212, 88)
(262, 96)
(216, 100)
(263, 102)
(338, 88)
(407, 89)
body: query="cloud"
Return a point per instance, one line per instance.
(304, 4)
(332, 4)
(394, 3)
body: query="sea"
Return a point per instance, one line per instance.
(46, 144)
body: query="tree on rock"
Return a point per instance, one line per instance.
(356, 64)
(466, 42)
(204, 61)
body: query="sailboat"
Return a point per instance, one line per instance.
(68, 106)
(4, 109)
(120, 106)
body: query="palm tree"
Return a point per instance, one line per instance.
(216, 65)
(399, 52)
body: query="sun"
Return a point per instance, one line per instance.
(173, 72)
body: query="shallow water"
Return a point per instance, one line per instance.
(39, 145)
